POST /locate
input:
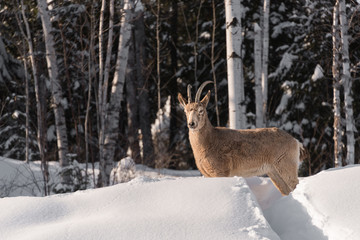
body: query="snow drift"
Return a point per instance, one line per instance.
(184, 208)
(323, 206)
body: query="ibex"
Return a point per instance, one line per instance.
(223, 152)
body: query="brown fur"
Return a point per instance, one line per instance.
(222, 152)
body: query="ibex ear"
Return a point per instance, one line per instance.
(206, 99)
(181, 100)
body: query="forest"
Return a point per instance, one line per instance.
(96, 81)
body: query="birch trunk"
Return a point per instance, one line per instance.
(101, 55)
(336, 88)
(113, 111)
(257, 67)
(144, 105)
(104, 71)
(265, 58)
(347, 81)
(56, 90)
(237, 108)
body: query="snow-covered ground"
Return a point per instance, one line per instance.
(156, 205)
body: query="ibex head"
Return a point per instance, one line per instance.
(196, 115)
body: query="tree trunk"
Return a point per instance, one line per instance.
(132, 105)
(237, 108)
(158, 80)
(336, 88)
(104, 71)
(265, 58)
(39, 111)
(143, 92)
(100, 104)
(173, 81)
(108, 54)
(347, 81)
(196, 41)
(113, 111)
(91, 74)
(213, 35)
(27, 104)
(257, 68)
(56, 90)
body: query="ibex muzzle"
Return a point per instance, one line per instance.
(222, 152)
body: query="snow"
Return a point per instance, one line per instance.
(139, 7)
(51, 134)
(154, 206)
(205, 35)
(257, 28)
(318, 73)
(324, 206)
(284, 65)
(287, 85)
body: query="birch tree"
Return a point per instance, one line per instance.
(56, 90)
(104, 69)
(336, 88)
(347, 81)
(258, 86)
(237, 108)
(265, 57)
(113, 111)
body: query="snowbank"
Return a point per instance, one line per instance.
(156, 206)
(323, 206)
(183, 208)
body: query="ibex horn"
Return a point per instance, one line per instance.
(198, 93)
(189, 93)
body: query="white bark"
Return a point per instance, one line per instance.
(104, 71)
(257, 68)
(347, 81)
(336, 88)
(265, 57)
(237, 108)
(100, 104)
(112, 119)
(55, 85)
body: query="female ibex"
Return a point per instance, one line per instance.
(222, 152)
